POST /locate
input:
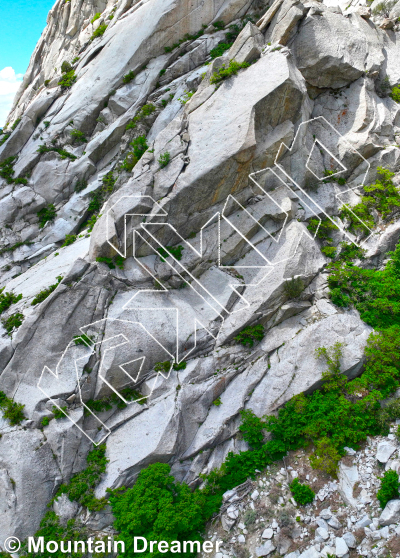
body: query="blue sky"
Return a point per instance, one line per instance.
(22, 24)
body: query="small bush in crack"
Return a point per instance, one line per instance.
(217, 402)
(11, 410)
(69, 239)
(249, 335)
(66, 67)
(302, 493)
(395, 94)
(175, 251)
(7, 169)
(249, 517)
(13, 322)
(84, 339)
(95, 17)
(220, 49)
(80, 185)
(62, 152)
(78, 136)
(139, 146)
(294, 287)
(329, 251)
(5, 137)
(15, 123)
(59, 413)
(67, 80)
(389, 489)
(128, 77)
(7, 299)
(99, 32)
(227, 72)
(164, 159)
(46, 214)
(40, 297)
(146, 110)
(163, 366)
(321, 228)
(219, 25)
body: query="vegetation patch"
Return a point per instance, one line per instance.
(46, 214)
(145, 111)
(62, 152)
(185, 38)
(78, 136)
(69, 239)
(12, 322)
(59, 413)
(139, 146)
(294, 287)
(66, 67)
(40, 297)
(7, 299)
(12, 411)
(7, 171)
(227, 72)
(67, 80)
(395, 94)
(128, 77)
(107, 403)
(99, 32)
(164, 159)
(175, 251)
(302, 493)
(389, 489)
(112, 262)
(249, 335)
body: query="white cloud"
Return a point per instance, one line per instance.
(9, 83)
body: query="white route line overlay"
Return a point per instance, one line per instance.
(158, 211)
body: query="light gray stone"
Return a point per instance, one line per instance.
(265, 549)
(391, 513)
(384, 451)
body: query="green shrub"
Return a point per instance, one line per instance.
(47, 82)
(82, 485)
(219, 50)
(106, 403)
(322, 229)
(145, 111)
(175, 251)
(294, 287)
(217, 402)
(7, 299)
(329, 251)
(128, 77)
(227, 72)
(40, 297)
(15, 123)
(398, 433)
(75, 60)
(163, 366)
(250, 334)
(66, 67)
(331, 178)
(180, 366)
(252, 428)
(11, 410)
(62, 152)
(59, 413)
(389, 489)
(107, 261)
(83, 339)
(187, 95)
(13, 322)
(326, 457)
(80, 185)
(78, 136)
(219, 25)
(186, 37)
(139, 147)
(5, 137)
(67, 80)
(158, 508)
(46, 214)
(45, 421)
(164, 159)
(395, 94)
(7, 169)
(95, 17)
(99, 32)
(69, 239)
(302, 493)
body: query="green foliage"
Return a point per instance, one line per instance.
(107, 261)
(83, 339)
(217, 402)
(322, 229)
(294, 287)
(389, 489)
(145, 111)
(331, 178)
(106, 403)
(164, 159)
(395, 94)
(59, 413)
(250, 334)
(62, 152)
(375, 293)
(333, 379)
(325, 457)
(69, 239)
(47, 82)
(398, 433)
(186, 97)
(12, 322)
(158, 508)
(95, 17)
(163, 366)
(46, 214)
(78, 136)
(329, 251)
(139, 146)
(302, 493)
(175, 251)
(227, 72)
(252, 429)
(128, 77)
(82, 485)
(7, 299)
(15, 123)
(5, 137)
(219, 25)
(15, 246)
(91, 222)
(99, 32)
(186, 37)
(75, 60)
(7, 169)
(51, 529)
(66, 67)
(67, 80)
(180, 366)
(45, 421)
(12, 411)
(382, 197)
(40, 297)
(220, 49)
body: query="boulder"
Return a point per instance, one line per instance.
(265, 549)
(247, 46)
(391, 513)
(384, 451)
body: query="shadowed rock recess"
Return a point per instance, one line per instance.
(172, 176)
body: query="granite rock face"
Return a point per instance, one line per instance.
(165, 255)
